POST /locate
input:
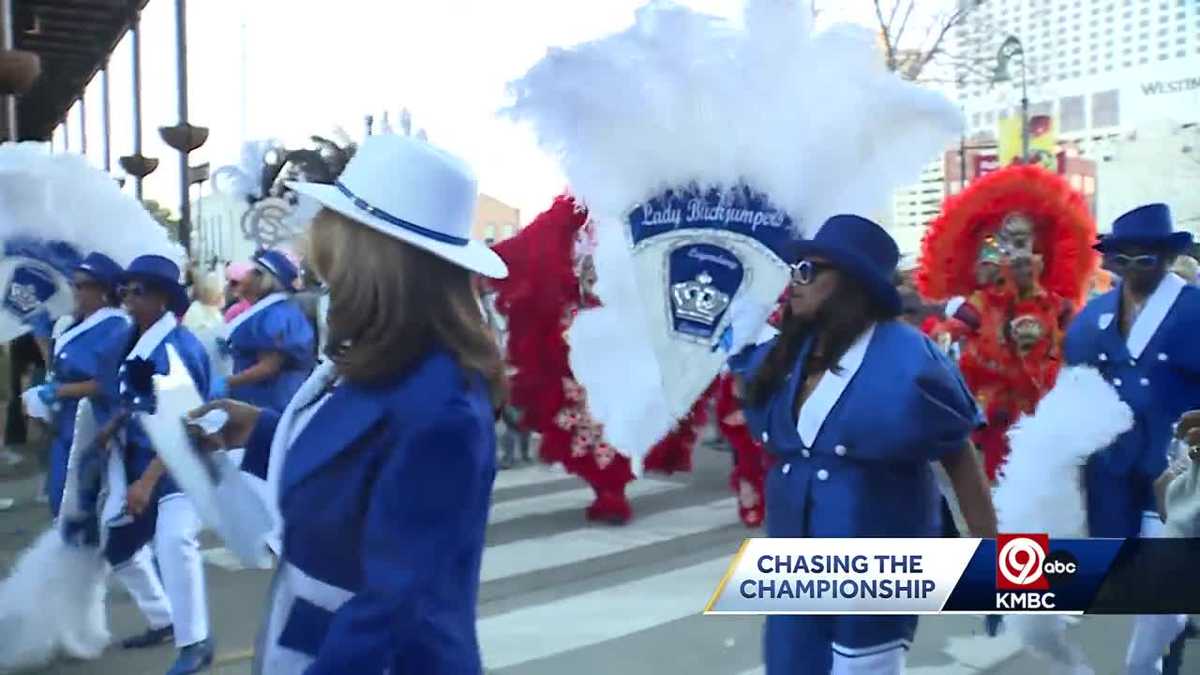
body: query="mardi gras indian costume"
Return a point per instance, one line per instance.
(701, 151)
(1013, 255)
(54, 211)
(549, 284)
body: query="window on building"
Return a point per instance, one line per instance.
(1181, 53)
(1071, 114)
(1106, 109)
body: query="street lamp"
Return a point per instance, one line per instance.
(1008, 50)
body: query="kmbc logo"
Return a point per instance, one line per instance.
(1021, 562)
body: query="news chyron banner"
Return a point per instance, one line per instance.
(1013, 574)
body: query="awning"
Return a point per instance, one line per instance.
(74, 39)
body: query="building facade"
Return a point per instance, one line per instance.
(1121, 78)
(495, 220)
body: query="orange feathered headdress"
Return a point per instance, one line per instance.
(1064, 232)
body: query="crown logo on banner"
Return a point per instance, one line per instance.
(699, 300)
(24, 297)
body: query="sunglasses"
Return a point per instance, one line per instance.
(1143, 262)
(132, 291)
(806, 271)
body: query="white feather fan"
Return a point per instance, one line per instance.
(76, 203)
(813, 120)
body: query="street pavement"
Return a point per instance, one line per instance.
(561, 596)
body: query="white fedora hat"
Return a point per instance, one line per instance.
(410, 190)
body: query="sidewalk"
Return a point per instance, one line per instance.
(21, 475)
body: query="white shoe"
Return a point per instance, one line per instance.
(6, 503)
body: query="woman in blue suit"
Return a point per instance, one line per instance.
(85, 359)
(855, 405)
(272, 342)
(383, 462)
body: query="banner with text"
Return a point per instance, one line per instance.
(1013, 574)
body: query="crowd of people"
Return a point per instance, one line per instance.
(359, 412)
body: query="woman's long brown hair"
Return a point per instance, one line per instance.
(390, 303)
(841, 320)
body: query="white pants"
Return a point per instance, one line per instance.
(1152, 634)
(177, 547)
(140, 579)
(890, 662)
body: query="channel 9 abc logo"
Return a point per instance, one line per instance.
(1024, 563)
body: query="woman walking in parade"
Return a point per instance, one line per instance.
(85, 360)
(854, 405)
(156, 511)
(271, 342)
(382, 464)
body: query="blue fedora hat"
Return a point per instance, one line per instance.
(164, 274)
(1149, 226)
(279, 265)
(861, 249)
(101, 268)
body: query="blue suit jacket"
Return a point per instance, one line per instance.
(864, 471)
(138, 450)
(1159, 384)
(283, 328)
(385, 494)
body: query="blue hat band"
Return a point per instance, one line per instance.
(400, 222)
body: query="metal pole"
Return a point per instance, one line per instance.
(83, 124)
(66, 127)
(962, 162)
(136, 32)
(185, 207)
(105, 120)
(1024, 112)
(9, 105)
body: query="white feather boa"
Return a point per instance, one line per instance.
(52, 604)
(1040, 489)
(813, 120)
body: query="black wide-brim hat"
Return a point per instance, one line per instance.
(1149, 226)
(161, 273)
(861, 249)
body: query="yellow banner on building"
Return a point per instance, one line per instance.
(1043, 141)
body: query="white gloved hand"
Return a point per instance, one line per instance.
(747, 321)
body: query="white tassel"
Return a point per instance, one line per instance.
(53, 603)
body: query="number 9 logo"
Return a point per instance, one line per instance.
(1020, 561)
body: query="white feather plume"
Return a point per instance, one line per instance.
(813, 120)
(53, 603)
(1040, 489)
(62, 197)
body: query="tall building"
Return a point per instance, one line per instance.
(1108, 72)
(915, 206)
(1098, 66)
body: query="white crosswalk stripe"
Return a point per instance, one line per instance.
(529, 475)
(576, 499)
(576, 546)
(519, 636)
